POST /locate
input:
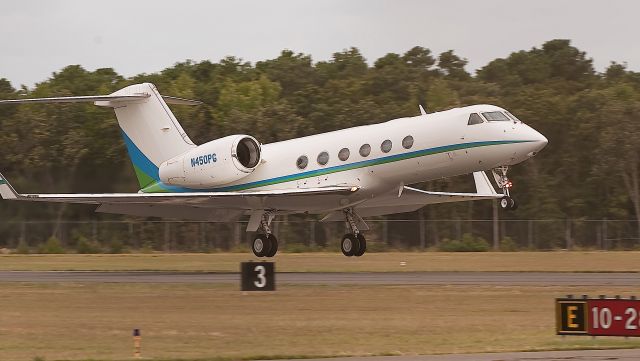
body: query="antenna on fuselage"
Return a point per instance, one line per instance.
(422, 111)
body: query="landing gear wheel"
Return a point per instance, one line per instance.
(508, 203)
(363, 245)
(350, 245)
(261, 245)
(274, 245)
(505, 202)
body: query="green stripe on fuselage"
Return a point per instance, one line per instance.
(2, 181)
(160, 187)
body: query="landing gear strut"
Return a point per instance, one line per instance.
(265, 244)
(353, 244)
(500, 175)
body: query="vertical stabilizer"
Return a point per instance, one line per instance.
(149, 129)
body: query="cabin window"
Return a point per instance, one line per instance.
(474, 118)
(407, 142)
(343, 154)
(323, 158)
(365, 150)
(302, 162)
(385, 147)
(495, 116)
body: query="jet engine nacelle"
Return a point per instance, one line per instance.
(215, 163)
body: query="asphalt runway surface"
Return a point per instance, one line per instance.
(398, 278)
(588, 355)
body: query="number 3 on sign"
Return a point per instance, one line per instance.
(260, 273)
(258, 276)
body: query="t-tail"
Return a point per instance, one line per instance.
(150, 131)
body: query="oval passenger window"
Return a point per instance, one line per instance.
(344, 154)
(407, 142)
(323, 158)
(365, 150)
(302, 162)
(385, 147)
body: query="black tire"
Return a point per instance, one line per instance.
(363, 245)
(349, 244)
(273, 242)
(505, 202)
(261, 245)
(513, 205)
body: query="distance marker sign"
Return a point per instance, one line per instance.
(258, 276)
(598, 317)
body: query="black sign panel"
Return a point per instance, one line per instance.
(258, 276)
(571, 317)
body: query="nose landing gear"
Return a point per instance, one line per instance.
(500, 175)
(508, 203)
(353, 244)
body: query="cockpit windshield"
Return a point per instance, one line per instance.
(474, 118)
(512, 116)
(495, 116)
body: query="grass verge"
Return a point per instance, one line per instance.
(335, 262)
(74, 321)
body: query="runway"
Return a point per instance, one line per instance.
(582, 355)
(398, 278)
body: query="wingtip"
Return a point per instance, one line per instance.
(6, 190)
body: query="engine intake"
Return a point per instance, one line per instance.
(215, 163)
(248, 152)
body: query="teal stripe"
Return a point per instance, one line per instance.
(2, 181)
(346, 167)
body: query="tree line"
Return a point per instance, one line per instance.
(589, 170)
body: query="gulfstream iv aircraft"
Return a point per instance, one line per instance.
(344, 175)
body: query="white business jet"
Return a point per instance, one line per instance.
(345, 174)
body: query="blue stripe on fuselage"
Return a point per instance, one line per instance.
(345, 167)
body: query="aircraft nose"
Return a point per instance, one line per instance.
(539, 142)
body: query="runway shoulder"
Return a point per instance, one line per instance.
(391, 278)
(577, 355)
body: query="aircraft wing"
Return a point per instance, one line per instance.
(189, 205)
(408, 199)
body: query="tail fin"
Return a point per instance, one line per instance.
(150, 131)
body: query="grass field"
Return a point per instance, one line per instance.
(94, 321)
(335, 262)
(76, 321)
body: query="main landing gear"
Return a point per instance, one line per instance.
(500, 175)
(265, 244)
(353, 244)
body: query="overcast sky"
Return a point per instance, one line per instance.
(40, 37)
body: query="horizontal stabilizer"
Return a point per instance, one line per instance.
(78, 99)
(180, 101)
(101, 98)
